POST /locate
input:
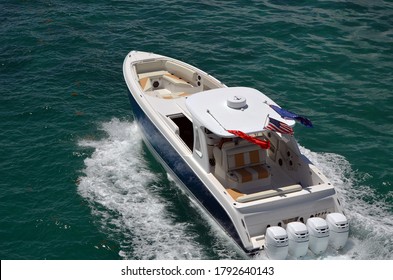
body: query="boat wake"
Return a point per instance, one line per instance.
(371, 221)
(123, 193)
(120, 188)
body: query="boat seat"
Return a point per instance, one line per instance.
(175, 95)
(181, 71)
(241, 197)
(171, 82)
(243, 164)
(166, 94)
(247, 174)
(153, 74)
(145, 79)
(173, 73)
(175, 79)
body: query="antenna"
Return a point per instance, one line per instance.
(208, 111)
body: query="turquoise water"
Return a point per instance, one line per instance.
(76, 180)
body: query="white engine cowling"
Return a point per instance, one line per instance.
(298, 239)
(319, 234)
(339, 230)
(276, 243)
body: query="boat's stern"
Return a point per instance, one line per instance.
(295, 222)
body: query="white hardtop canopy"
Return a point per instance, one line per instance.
(233, 108)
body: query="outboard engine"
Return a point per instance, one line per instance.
(319, 234)
(276, 243)
(339, 230)
(298, 239)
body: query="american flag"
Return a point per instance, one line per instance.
(278, 126)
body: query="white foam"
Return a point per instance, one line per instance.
(371, 222)
(222, 244)
(120, 187)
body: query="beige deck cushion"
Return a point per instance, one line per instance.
(247, 174)
(152, 74)
(174, 79)
(180, 71)
(247, 156)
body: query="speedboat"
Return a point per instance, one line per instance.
(233, 150)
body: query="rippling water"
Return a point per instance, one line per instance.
(77, 182)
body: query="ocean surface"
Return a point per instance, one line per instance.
(78, 183)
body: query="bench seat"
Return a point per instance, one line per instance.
(242, 164)
(174, 79)
(242, 198)
(247, 174)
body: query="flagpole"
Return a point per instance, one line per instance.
(266, 121)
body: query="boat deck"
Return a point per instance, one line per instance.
(280, 184)
(170, 80)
